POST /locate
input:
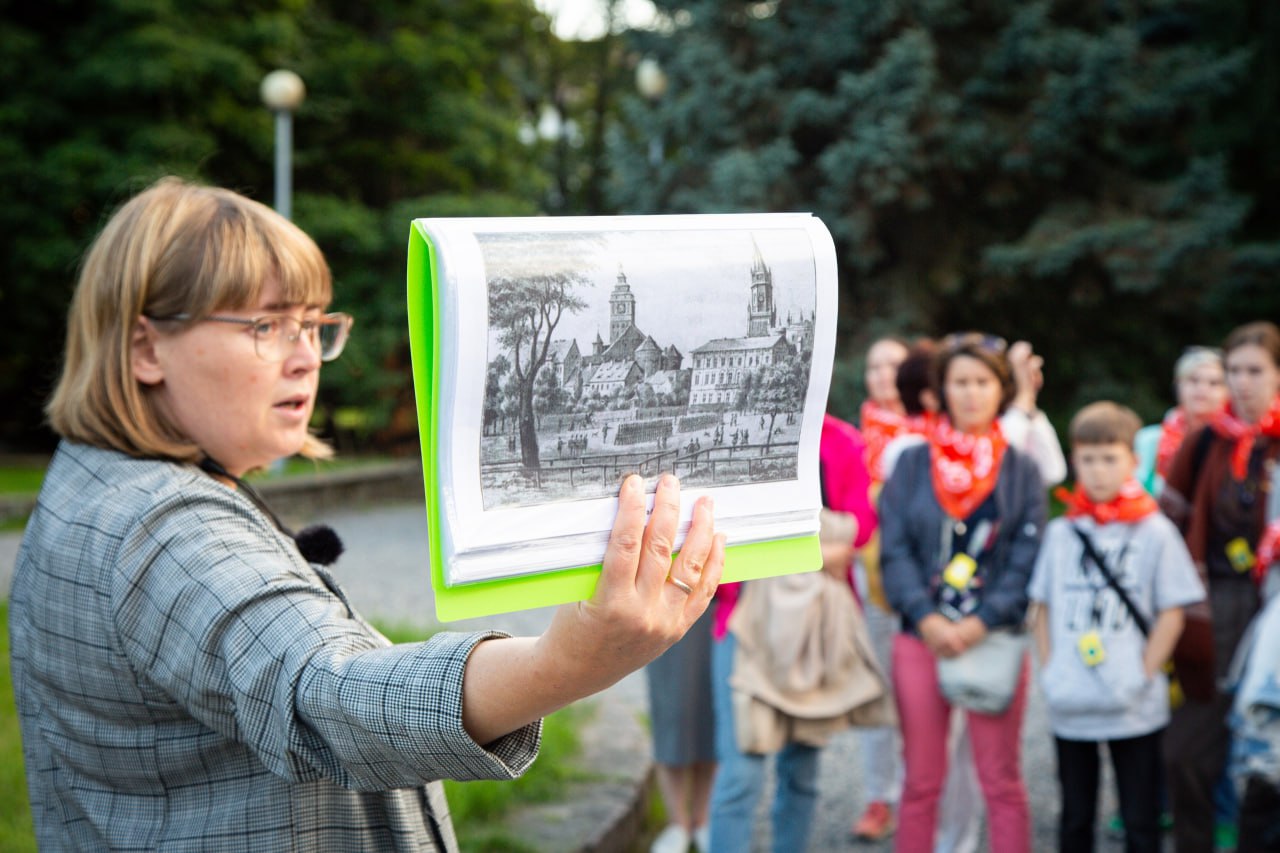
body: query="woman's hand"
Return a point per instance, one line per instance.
(971, 630)
(1028, 376)
(946, 639)
(635, 614)
(836, 557)
(939, 634)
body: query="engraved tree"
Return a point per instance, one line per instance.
(493, 393)
(777, 389)
(532, 282)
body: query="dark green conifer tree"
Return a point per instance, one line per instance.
(1039, 169)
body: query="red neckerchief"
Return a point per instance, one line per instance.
(1172, 431)
(964, 466)
(1230, 427)
(1130, 505)
(879, 427)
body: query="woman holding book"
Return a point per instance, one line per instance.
(186, 671)
(961, 519)
(1216, 493)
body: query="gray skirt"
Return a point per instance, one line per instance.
(680, 699)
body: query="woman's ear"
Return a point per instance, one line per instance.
(143, 356)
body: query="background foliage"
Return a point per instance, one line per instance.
(413, 109)
(1098, 176)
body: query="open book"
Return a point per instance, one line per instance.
(553, 356)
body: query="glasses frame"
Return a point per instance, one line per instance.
(344, 322)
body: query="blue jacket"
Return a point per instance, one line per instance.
(911, 522)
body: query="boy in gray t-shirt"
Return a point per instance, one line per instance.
(1100, 660)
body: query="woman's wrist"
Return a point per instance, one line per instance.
(1025, 405)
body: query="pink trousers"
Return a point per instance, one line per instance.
(997, 754)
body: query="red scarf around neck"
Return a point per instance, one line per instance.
(879, 426)
(1172, 431)
(964, 466)
(1230, 427)
(1131, 504)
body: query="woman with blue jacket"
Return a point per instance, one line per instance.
(961, 520)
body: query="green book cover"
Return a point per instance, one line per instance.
(551, 357)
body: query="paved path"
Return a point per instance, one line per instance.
(385, 572)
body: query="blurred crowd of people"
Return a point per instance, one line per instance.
(1148, 602)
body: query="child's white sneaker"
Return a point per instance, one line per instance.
(673, 839)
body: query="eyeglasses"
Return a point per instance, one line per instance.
(276, 335)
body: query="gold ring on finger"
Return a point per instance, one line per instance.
(680, 585)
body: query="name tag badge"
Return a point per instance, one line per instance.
(959, 571)
(1091, 650)
(1240, 554)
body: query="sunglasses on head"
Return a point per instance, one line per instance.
(975, 340)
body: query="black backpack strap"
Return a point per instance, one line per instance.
(1091, 552)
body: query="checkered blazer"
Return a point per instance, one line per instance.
(186, 681)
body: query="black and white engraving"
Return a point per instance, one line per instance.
(619, 351)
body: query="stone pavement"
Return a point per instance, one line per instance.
(385, 572)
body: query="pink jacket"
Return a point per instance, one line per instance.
(845, 482)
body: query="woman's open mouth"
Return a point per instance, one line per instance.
(293, 404)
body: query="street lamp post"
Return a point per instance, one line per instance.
(283, 92)
(651, 82)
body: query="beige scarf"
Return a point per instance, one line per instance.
(804, 666)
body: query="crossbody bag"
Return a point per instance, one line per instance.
(984, 678)
(1139, 618)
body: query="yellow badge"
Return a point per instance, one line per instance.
(1091, 650)
(1240, 554)
(960, 571)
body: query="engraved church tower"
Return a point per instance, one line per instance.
(622, 308)
(760, 308)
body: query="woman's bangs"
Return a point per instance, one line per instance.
(300, 268)
(266, 248)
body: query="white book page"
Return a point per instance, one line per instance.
(577, 350)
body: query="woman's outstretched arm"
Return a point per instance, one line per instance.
(634, 616)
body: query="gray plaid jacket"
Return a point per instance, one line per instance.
(186, 681)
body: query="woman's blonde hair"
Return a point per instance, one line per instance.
(1194, 358)
(175, 248)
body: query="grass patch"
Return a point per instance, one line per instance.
(21, 479)
(16, 833)
(546, 781)
(296, 466)
(479, 808)
(476, 807)
(402, 633)
(14, 525)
